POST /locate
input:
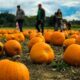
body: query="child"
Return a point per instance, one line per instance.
(63, 26)
(17, 26)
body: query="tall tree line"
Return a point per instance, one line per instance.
(9, 20)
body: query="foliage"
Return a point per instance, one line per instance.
(8, 19)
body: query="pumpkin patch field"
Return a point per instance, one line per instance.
(29, 55)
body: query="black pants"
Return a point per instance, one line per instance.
(39, 25)
(20, 23)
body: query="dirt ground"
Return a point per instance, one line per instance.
(57, 70)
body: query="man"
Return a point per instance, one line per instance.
(59, 18)
(20, 17)
(55, 22)
(40, 19)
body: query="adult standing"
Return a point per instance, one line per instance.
(40, 19)
(20, 17)
(55, 22)
(59, 18)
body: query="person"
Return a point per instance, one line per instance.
(40, 19)
(69, 25)
(20, 17)
(58, 18)
(54, 22)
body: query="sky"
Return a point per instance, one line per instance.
(70, 8)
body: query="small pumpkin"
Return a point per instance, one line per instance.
(68, 42)
(47, 36)
(32, 35)
(57, 38)
(74, 36)
(33, 41)
(12, 47)
(1, 48)
(78, 40)
(19, 37)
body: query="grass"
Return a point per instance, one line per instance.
(74, 27)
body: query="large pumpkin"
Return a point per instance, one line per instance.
(72, 54)
(57, 38)
(41, 53)
(10, 70)
(12, 47)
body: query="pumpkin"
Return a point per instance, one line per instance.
(1, 35)
(74, 36)
(10, 36)
(47, 36)
(57, 38)
(1, 48)
(72, 55)
(25, 33)
(42, 53)
(12, 47)
(19, 37)
(10, 70)
(68, 42)
(78, 40)
(39, 34)
(32, 34)
(65, 33)
(34, 41)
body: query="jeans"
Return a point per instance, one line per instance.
(57, 25)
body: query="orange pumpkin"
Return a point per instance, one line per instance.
(47, 36)
(12, 47)
(10, 70)
(10, 36)
(40, 35)
(32, 34)
(33, 41)
(19, 37)
(65, 33)
(25, 33)
(42, 53)
(74, 36)
(68, 42)
(78, 40)
(1, 48)
(72, 55)
(57, 38)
